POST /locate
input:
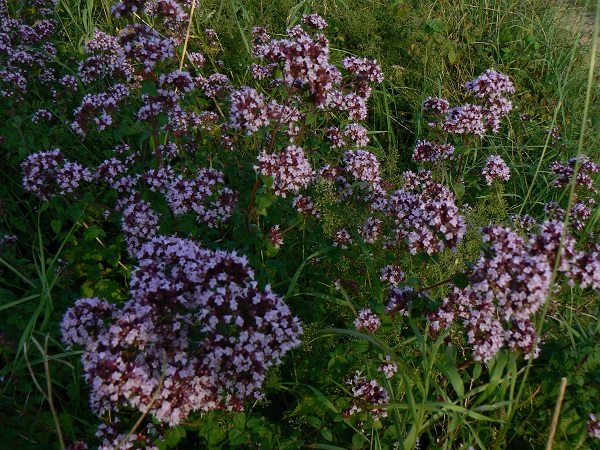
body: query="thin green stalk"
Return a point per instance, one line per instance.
(46, 394)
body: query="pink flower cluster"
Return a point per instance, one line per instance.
(593, 427)
(46, 174)
(432, 151)
(342, 239)
(565, 172)
(388, 368)
(198, 334)
(353, 134)
(304, 62)
(425, 212)
(26, 55)
(304, 205)
(290, 170)
(363, 166)
(276, 236)
(368, 394)
(476, 119)
(368, 320)
(509, 284)
(495, 169)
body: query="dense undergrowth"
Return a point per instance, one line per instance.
(295, 224)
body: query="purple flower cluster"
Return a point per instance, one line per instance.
(425, 212)
(41, 114)
(436, 105)
(198, 334)
(581, 211)
(304, 205)
(26, 55)
(290, 170)
(371, 230)
(363, 69)
(490, 85)
(304, 62)
(314, 21)
(508, 285)
(7, 241)
(391, 274)
(106, 59)
(99, 108)
(388, 368)
(476, 119)
(593, 427)
(204, 196)
(465, 119)
(112, 439)
(368, 320)
(362, 165)
(555, 135)
(367, 395)
(342, 239)
(495, 169)
(46, 174)
(401, 300)
(565, 172)
(170, 12)
(247, 110)
(140, 224)
(432, 151)
(524, 222)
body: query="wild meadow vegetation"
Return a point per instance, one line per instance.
(285, 224)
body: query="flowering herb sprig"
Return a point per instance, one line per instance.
(179, 287)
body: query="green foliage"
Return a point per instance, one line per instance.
(440, 397)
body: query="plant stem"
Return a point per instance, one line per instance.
(559, 401)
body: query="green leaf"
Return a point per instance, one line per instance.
(313, 421)
(112, 255)
(459, 189)
(358, 440)
(93, 232)
(460, 280)
(267, 180)
(477, 371)
(174, 435)
(311, 118)
(215, 435)
(237, 437)
(360, 346)
(254, 423)
(56, 225)
(448, 368)
(149, 87)
(433, 26)
(239, 420)
(327, 434)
